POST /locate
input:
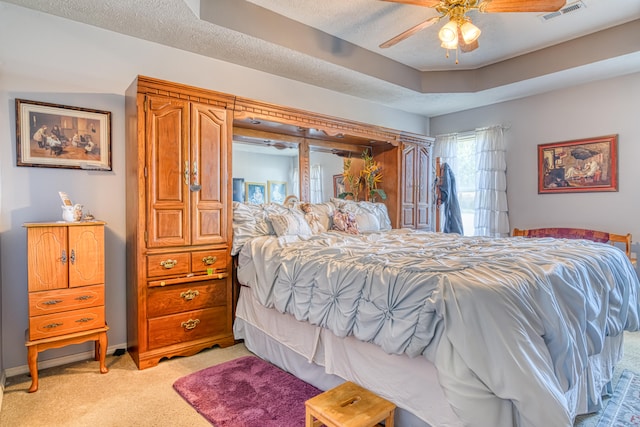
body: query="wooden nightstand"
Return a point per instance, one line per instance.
(65, 264)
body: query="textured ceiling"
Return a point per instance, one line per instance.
(334, 44)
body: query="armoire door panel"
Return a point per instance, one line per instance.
(208, 145)
(169, 171)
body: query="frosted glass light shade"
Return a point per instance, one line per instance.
(449, 33)
(450, 45)
(470, 32)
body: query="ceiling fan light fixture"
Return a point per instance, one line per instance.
(449, 33)
(470, 32)
(450, 45)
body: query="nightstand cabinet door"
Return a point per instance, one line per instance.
(86, 256)
(47, 257)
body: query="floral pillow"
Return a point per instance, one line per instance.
(345, 222)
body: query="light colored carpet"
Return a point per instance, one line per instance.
(77, 395)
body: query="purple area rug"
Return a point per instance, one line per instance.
(247, 392)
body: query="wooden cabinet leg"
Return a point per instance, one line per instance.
(32, 359)
(101, 350)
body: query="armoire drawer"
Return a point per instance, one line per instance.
(67, 322)
(56, 301)
(188, 326)
(185, 297)
(202, 260)
(168, 264)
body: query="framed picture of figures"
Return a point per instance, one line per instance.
(583, 165)
(61, 136)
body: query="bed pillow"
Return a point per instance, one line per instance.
(324, 211)
(249, 221)
(290, 224)
(371, 217)
(345, 221)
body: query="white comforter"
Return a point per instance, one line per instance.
(509, 323)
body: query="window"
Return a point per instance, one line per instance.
(465, 174)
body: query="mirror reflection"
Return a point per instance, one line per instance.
(265, 172)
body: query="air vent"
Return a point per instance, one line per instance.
(573, 7)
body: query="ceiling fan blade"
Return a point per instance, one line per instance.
(411, 31)
(521, 6)
(425, 3)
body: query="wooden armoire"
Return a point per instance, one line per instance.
(179, 202)
(179, 294)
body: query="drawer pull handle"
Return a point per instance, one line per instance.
(190, 324)
(83, 297)
(52, 302)
(72, 258)
(189, 295)
(84, 320)
(52, 325)
(209, 260)
(169, 263)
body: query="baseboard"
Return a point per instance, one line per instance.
(59, 361)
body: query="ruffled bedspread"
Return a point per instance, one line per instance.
(509, 323)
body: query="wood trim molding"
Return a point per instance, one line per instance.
(246, 108)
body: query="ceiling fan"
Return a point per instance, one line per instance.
(460, 32)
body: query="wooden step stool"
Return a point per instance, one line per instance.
(348, 405)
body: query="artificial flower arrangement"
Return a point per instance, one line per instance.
(369, 178)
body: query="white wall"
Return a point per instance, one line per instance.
(50, 59)
(596, 109)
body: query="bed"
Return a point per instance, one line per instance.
(454, 330)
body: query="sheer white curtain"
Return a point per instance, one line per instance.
(316, 184)
(445, 147)
(295, 180)
(492, 213)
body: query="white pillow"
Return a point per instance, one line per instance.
(323, 210)
(249, 221)
(290, 224)
(364, 212)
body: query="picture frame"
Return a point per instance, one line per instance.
(577, 166)
(255, 192)
(62, 136)
(238, 190)
(338, 185)
(277, 191)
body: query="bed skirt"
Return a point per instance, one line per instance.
(324, 360)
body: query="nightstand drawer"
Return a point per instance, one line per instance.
(189, 296)
(189, 326)
(52, 325)
(49, 302)
(168, 264)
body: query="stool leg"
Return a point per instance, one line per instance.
(32, 359)
(389, 421)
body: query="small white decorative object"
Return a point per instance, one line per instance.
(70, 212)
(77, 212)
(67, 213)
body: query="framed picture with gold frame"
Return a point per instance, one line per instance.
(254, 192)
(62, 136)
(581, 165)
(277, 191)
